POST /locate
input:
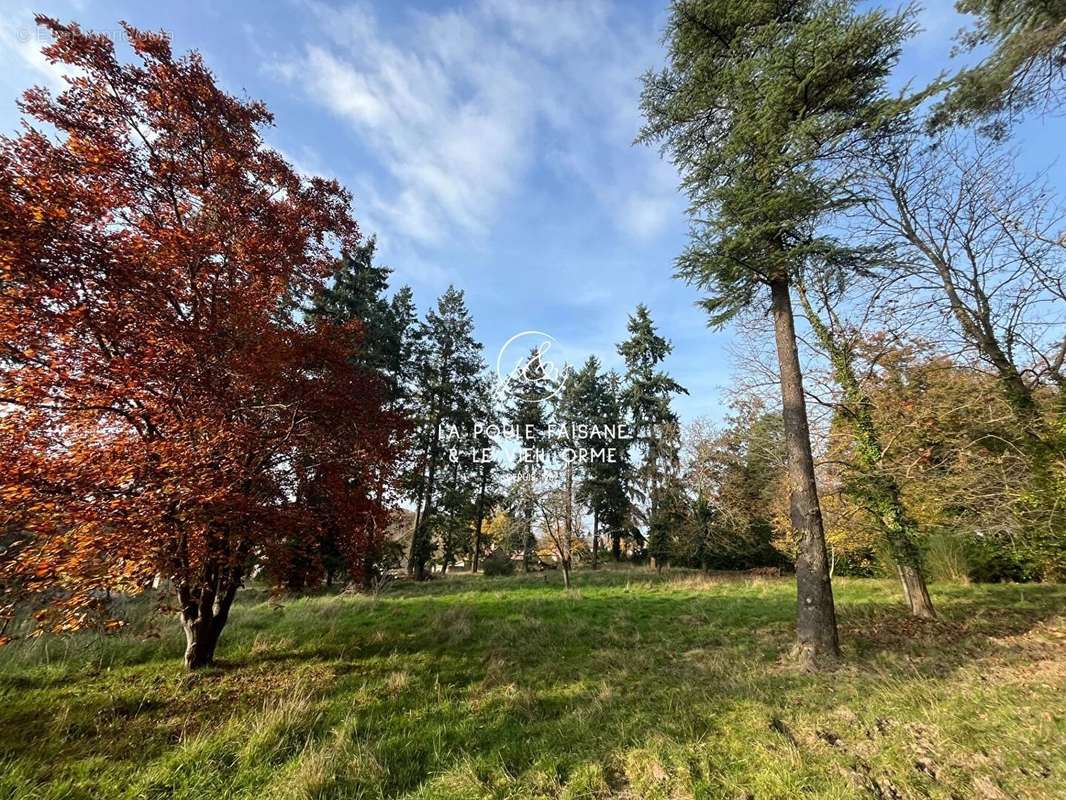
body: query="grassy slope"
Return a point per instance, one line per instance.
(630, 687)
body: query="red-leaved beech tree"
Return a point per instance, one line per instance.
(164, 410)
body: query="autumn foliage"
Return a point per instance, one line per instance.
(165, 410)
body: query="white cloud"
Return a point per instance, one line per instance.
(459, 105)
(452, 132)
(646, 215)
(549, 26)
(21, 43)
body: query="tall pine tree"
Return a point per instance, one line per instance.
(448, 371)
(646, 397)
(602, 480)
(486, 467)
(358, 292)
(527, 412)
(759, 107)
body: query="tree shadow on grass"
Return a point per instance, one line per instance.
(525, 713)
(568, 711)
(965, 630)
(510, 681)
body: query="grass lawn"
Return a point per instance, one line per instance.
(629, 686)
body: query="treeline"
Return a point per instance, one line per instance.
(597, 462)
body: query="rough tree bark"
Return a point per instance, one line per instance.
(204, 611)
(595, 540)
(568, 524)
(527, 536)
(816, 629)
(419, 541)
(420, 496)
(480, 516)
(414, 531)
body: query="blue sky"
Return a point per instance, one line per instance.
(488, 144)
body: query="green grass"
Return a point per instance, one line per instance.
(630, 686)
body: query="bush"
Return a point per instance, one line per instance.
(498, 563)
(995, 560)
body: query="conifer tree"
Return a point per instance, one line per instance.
(527, 412)
(601, 477)
(358, 293)
(486, 467)
(387, 329)
(759, 107)
(401, 367)
(669, 507)
(449, 368)
(612, 478)
(646, 397)
(1024, 63)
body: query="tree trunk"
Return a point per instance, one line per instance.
(565, 564)
(568, 522)
(616, 546)
(420, 541)
(595, 540)
(816, 629)
(915, 591)
(414, 531)
(200, 641)
(203, 616)
(527, 536)
(419, 497)
(480, 517)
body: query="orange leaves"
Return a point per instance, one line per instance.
(15, 493)
(162, 416)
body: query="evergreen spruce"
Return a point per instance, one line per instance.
(358, 293)
(646, 398)
(760, 107)
(448, 374)
(527, 411)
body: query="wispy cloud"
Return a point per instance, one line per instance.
(21, 41)
(461, 106)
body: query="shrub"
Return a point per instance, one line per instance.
(498, 563)
(994, 559)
